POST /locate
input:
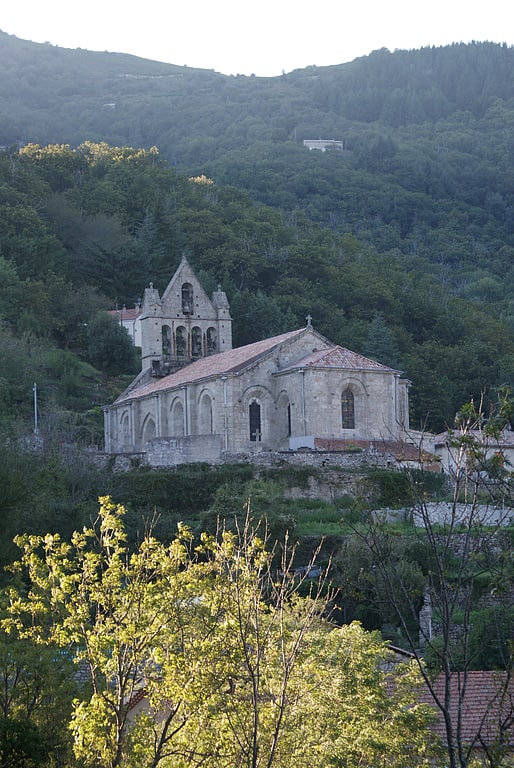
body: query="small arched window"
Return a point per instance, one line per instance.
(148, 430)
(177, 419)
(347, 409)
(166, 341)
(205, 416)
(211, 341)
(181, 341)
(187, 299)
(196, 342)
(125, 429)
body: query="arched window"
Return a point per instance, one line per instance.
(177, 419)
(205, 416)
(181, 341)
(283, 416)
(347, 410)
(148, 430)
(255, 422)
(166, 341)
(125, 429)
(211, 341)
(196, 342)
(187, 299)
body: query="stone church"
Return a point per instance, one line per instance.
(197, 398)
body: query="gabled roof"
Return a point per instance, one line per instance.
(233, 361)
(126, 314)
(487, 706)
(183, 273)
(337, 357)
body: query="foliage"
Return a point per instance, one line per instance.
(37, 688)
(459, 552)
(22, 745)
(110, 348)
(236, 668)
(390, 488)
(490, 641)
(399, 245)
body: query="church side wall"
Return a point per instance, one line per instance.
(315, 401)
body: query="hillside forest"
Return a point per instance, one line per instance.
(398, 242)
(399, 245)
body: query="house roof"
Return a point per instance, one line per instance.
(337, 357)
(231, 362)
(126, 314)
(488, 702)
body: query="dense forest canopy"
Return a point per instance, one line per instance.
(399, 244)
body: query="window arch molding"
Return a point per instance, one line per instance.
(148, 431)
(257, 426)
(347, 408)
(205, 414)
(177, 420)
(284, 415)
(351, 403)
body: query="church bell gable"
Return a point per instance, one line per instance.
(184, 325)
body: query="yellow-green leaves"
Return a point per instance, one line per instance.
(207, 655)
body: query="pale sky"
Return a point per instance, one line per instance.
(262, 38)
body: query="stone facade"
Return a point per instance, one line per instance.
(184, 325)
(281, 393)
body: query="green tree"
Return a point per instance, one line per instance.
(462, 550)
(22, 745)
(37, 686)
(110, 347)
(232, 663)
(381, 344)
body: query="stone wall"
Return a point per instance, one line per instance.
(171, 451)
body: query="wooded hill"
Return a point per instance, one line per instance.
(400, 244)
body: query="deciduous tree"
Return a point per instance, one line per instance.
(235, 667)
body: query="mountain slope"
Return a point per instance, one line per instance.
(406, 233)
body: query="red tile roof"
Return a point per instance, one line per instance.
(402, 451)
(488, 702)
(337, 357)
(232, 361)
(126, 314)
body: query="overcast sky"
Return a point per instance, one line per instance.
(263, 38)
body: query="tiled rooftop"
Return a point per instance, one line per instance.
(485, 705)
(337, 357)
(232, 361)
(126, 314)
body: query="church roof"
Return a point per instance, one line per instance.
(232, 361)
(337, 357)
